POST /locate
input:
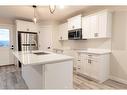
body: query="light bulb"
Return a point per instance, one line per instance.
(35, 20)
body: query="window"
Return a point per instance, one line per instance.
(4, 37)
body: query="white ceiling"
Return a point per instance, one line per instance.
(43, 13)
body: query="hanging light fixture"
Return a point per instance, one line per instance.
(52, 8)
(35, 14)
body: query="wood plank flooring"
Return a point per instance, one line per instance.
(10, 78)
(85, 83)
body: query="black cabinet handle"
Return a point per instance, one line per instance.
(89, 61)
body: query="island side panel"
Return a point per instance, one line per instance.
(32, 74)
(59, 75)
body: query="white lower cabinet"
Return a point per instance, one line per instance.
(57, 75)
(93, 65)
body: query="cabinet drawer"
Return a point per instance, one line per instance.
(89, 56)
(82, 55)
(93, 57)
(79, 69)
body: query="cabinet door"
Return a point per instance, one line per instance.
(21, 25)
(94, 26)
(71, 24)
(32, 27)
(74, 22)
(102, 19)
(59, 75)
(88, 68)
(92, 66)
(77, 22)
(63, 32)
(95, 68)
(86, 33)
(26, 26)
(80, 63)
(90, 27)
(60, 32)
(97, 25)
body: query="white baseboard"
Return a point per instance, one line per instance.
(118, 79)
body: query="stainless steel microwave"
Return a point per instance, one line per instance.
(75, 34)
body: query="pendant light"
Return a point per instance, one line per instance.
(52, 8)
(35, 14)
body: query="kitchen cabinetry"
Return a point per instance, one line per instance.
(26, 26)
(74, 22)
(93, 65)
(97, 25)
(49, 76)
(63, 31)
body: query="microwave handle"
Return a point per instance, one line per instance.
(76, 33)
(74, 36)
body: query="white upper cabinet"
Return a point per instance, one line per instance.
(97, 25)
(26, 26)
(89, 26)
(105, 24)
(74, 22)
(63, 31)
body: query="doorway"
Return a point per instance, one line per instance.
(6, 57)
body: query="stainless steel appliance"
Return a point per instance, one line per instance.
(27, 41)
(75, 34)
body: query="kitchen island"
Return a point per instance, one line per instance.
(46, 70)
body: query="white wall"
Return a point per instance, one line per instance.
(49, 35)
(119, 46)
(93, 43)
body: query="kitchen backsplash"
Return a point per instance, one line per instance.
(91, 43)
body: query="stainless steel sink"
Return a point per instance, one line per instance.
(40, 53)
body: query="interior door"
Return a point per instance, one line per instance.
(6, 56)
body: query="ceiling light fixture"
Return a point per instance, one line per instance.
(35, 14)
(52, 8)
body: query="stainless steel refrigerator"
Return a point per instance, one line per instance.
(27, 41)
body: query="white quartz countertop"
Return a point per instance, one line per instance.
(94, 51)
(27, 58)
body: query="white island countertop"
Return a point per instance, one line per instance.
(27, 58)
